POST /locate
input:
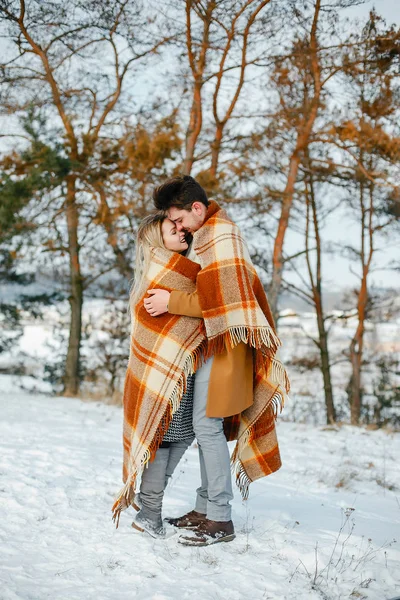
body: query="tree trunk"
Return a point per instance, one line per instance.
(197, 63)
(326, 368)
(216, 149)
(355, 387)
(316, 289)
(277, 258)
(72, 365)
(357, 343)
(123, 265)
(356, 352)
(194, 128)
(303, 139)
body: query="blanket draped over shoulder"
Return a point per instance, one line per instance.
(166, 349)
(235, 309)
(163, 352)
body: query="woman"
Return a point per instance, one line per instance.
(158, 392)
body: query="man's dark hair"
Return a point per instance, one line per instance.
(180, 192)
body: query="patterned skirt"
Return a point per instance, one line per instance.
(181, 426)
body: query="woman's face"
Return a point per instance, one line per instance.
(173, 239)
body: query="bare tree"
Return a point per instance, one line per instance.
(315, 279)
(223, 39)
(302, 77)
(73, 61)
(369, 140)
(306, 52)
(197, 50)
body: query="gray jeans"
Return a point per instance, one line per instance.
(156, 475)
(215, 492)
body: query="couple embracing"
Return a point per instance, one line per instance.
(202, 365)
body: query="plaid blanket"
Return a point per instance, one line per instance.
(235, 309)
(164, 351)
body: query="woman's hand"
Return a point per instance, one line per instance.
(157, 304)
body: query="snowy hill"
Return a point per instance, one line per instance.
(325, 526)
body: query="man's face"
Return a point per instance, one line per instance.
(188, 220)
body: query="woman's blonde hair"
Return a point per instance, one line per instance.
(149, 236)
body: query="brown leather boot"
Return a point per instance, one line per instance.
(211, 532)
(191, 520)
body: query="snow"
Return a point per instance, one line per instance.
(325, 526)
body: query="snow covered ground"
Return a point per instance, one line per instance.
(326, 526)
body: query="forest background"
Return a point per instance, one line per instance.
(287, 111)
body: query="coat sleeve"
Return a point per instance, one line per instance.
(185, 304)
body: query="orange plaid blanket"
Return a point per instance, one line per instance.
(164, 350)
(235, 309)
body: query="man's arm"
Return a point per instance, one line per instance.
(177, 303)
(185, 304)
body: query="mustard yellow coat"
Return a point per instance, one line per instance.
(230, 389)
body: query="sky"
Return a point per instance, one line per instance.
(389, 9)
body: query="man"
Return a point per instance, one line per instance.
(238, 324)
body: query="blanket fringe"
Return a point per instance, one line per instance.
(126, 495)
(241, 478)
(256, 337)
(278, 375)
(124, 499)
(192, 363)
(254, 430)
